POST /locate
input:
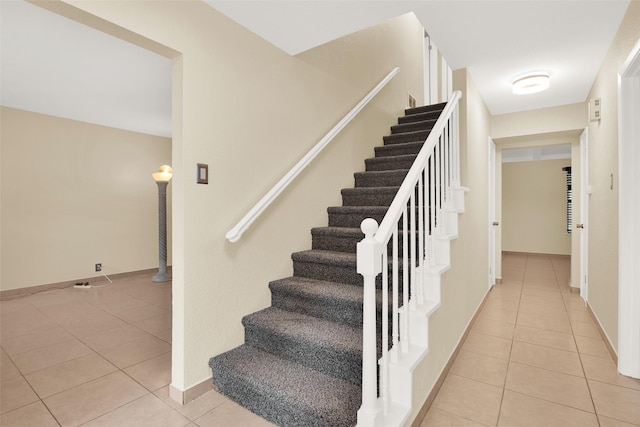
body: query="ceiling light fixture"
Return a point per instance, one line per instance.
(531, 83)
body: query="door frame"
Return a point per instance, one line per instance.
(584, 215)
(492, 211)
(629, 211)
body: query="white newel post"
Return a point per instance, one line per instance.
(369, 265)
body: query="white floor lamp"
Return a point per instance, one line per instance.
(162, 178)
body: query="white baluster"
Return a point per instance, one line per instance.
(432, 210)
(384, 360)
(446, 164)
(420, 239)
(438, 188)
(404, 337)
(394, 296)
(412, 260)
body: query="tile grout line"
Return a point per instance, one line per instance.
(93, 352)
(595, 411)
(504, 385)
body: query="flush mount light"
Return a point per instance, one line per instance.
(531, 83)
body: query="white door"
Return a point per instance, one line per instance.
(629, 212)
(492, 213)
(583, 227)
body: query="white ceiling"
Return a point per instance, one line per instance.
(495, 40)
(55, 66)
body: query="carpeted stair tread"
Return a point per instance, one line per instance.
(307, 328)
(341, 239)
(333, 266)
(425, 109)
(326, 346)
(368, 196)
(352, 216)
(398, 138)
(413, 126)
(285, 392)
(420, 117)
(389, 163)
(388, 178)
(344, 239)
(319, 289)
(337, 302)
(344, 259)
(398, 149)
(327, 265)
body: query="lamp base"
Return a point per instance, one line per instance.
(160, 276)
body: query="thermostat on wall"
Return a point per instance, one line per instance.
(595, 105)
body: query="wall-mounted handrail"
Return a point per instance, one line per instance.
(236, 232)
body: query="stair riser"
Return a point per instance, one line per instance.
(406, 137)
(330, 361)
(412, 127)
(364, 179)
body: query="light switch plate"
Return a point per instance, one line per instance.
(203, 173)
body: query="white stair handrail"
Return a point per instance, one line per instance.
(238, 230)
(396, 208)
(411, 250)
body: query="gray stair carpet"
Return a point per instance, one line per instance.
(301, 363)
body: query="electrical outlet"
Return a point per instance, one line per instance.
(99, 267)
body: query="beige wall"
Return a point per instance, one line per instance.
(603, 161)
(534, 207)
(541, 121)
(73, 195)
(251, 112)
(466, 283)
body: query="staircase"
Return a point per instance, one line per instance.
(301, 363)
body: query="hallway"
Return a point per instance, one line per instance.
(534, 357)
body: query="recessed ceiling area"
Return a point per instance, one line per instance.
(54, 65)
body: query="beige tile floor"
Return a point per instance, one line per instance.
(98, 357)
(534, 357)
(102, 357)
